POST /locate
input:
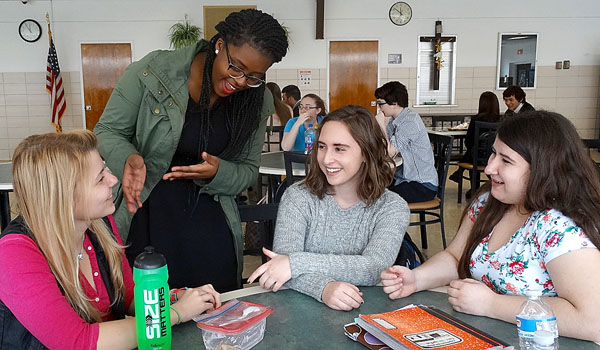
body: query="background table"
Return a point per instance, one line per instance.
(300, 322)
(6, 186)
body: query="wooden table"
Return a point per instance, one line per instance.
(301, 322)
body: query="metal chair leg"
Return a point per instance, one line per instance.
(423, 231)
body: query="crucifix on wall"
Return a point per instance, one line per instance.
(437, 42)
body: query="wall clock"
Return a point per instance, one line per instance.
(30, 30)
(400, 13)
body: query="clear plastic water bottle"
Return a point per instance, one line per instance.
(544, 340)
(535, 315)
(309, 138)
(151, 295)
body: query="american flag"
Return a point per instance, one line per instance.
(54, 86)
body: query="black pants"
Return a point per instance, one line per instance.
(413, 191)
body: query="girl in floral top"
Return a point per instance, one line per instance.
(536, 225)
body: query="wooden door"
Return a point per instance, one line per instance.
(352, 73)
(102, 65)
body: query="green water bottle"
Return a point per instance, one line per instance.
(151, 295)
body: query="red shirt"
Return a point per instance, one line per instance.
(28, 288)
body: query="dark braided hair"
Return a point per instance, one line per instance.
(242, 109)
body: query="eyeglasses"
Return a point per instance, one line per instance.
(307, 107)
(237, 73)
(381, 103)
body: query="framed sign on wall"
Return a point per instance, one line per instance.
(215, 14)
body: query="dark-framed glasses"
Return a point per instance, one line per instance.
(381, 103)
(307, 107)
(237, 73)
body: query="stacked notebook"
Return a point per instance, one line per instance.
(418, 327)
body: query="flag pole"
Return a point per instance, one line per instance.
(49, 31)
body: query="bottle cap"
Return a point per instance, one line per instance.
(533, 293)
(543, 337)
(310, 126)
(149, 259)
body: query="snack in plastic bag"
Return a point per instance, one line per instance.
(236, 325)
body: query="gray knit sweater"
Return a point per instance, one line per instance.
(326, 243)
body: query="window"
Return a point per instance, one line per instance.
(426, 70)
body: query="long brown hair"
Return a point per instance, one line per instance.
(375, 173)
(49, 172)
(318, 101)
(281, 109)
(562, 177)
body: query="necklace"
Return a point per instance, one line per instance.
(80, 255)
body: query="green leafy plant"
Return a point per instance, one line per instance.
(184, 34)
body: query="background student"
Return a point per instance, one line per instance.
(312, 110)
(535, 226)
(341, 227)
(64, 280)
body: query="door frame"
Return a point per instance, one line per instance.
(329, 40)
(81, 90)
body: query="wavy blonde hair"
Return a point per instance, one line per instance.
(49, 172)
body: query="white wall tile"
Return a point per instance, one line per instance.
(2, 100)
(464, 72)
(546, 81)
(14, 78)
(289, 74)
(15, 89)
(2, 114)
(35, 78)
(16, 111)
(16, 122)
(38, 100)
(464, 83)
(484, 72)
(36, 89)
(42, 110)
(545, 92)
(546, 71)
(4, 154)
(323, 74)
(18, 133)
(15, 100)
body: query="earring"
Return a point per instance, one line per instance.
(216, 51)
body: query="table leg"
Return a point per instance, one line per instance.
(4, 209)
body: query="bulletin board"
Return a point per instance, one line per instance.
(215, 14)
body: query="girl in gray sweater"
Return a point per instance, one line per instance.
(341, 227)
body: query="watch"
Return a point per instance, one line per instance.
(400, 13)
(30, 30)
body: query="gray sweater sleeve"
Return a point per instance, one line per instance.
(355, 254)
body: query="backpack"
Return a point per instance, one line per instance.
(409, 255)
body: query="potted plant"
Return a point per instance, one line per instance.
(184, 34)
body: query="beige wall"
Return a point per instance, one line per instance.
(25, 107)
(25, 104)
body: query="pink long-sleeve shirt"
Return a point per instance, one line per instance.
(28, 288)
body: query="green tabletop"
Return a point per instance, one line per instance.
(300, 322)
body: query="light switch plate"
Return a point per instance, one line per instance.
(558, 65)
(566, 64)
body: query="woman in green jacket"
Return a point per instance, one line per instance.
(183, 131)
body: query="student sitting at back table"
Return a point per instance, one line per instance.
(536, 226)
(312, 110)
(341, 227)
(64, 280)
(416, 179)
(290, 94)
(514, 99)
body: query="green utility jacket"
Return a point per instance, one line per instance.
(145, 115)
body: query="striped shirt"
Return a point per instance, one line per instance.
(407, 133)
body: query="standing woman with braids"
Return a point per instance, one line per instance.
(534, 227)
(183, 131)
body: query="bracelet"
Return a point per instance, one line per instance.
(178, 315)
(173, 294)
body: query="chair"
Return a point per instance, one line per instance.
(270, 140)
(442, 150)
(290, 158)
(485, 133)
(260, 223)
(590, 144)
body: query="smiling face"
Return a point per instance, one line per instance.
(94, 197)
(511, 102)
(339, 156)
(251, 62)
(509, 172)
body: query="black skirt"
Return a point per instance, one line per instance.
(188, 228)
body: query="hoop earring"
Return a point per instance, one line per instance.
(216, 51)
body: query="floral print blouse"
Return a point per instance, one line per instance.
(520, 264)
